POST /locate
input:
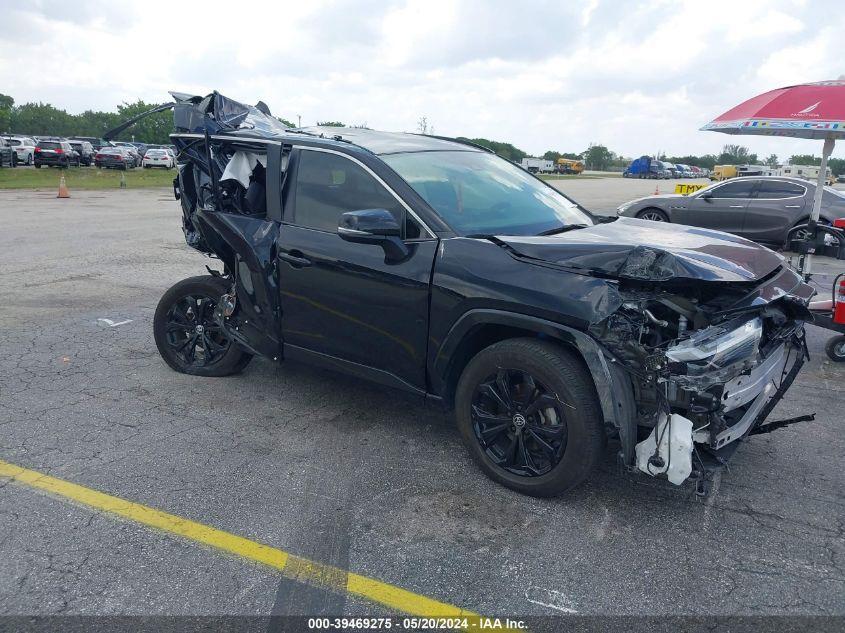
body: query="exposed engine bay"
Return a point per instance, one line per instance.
(715, 357)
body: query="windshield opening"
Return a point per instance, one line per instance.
(477, 193)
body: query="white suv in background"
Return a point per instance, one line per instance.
(24, 147)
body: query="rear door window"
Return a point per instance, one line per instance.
(777, 189)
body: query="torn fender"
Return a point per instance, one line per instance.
(247, 246)
(613, 384)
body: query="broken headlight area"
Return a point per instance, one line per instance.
(701, 369)
(717, 353)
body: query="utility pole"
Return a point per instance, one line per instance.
(298, 120)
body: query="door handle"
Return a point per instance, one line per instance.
(736, 206)
(792, 206)
(295, 259)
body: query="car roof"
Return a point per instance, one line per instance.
(799, 181)
(383, 143)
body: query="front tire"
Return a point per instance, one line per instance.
(528, 413)
(187, 335)
(653, 214)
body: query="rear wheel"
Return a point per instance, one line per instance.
(835, 349)
(804, 234)
(187, 335)
(653, 214)
(528, 414)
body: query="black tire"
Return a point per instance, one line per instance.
(800, 235)
(187, 348)
(835, 348)
(37, 166)
(654, 214)
(29, 160)
(568, 419)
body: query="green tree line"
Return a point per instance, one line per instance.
(44, 119)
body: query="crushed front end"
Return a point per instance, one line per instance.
(708, 362)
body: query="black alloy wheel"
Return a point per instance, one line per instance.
(519, 423)
(528, 414)
(192, 333)
(188, 336)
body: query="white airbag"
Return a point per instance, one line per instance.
(241, 166)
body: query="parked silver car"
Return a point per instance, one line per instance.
(762, 208)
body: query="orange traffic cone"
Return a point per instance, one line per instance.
(656, 190)
(63, 192)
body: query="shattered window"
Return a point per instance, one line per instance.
(329, 185)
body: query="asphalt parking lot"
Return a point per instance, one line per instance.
(343, 473)
(603, 195)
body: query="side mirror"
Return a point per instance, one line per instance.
(374, 226)
(706, 196)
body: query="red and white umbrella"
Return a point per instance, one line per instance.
(814, 111)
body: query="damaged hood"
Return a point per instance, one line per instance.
(651, 251)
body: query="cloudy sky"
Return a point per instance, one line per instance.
(639, 77)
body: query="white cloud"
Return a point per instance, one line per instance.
(638, 77)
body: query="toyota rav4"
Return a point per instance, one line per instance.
(436, 267)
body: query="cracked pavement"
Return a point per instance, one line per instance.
(344, 472)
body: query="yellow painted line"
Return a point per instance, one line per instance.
(292, 567)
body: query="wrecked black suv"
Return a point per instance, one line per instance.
(439, 268)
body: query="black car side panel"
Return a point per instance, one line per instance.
(475, 273)
(347, 301)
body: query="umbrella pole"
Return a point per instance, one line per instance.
(807, 264)
(820, 183)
